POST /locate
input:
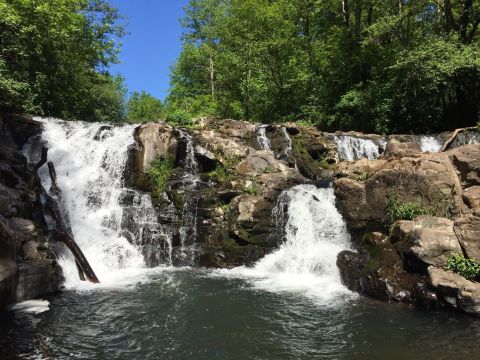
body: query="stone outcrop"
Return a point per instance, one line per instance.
(27, 266)
(397, 148)
(429, 179)
(455, 291)
(409, 265)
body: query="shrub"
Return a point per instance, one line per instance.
(362, 176)
(468, 268)
(159, 173)
(397, 210)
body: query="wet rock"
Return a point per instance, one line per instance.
(24, 228)
(397, 148)
(8, 264)
(30, 251)
(471, 197)
(467, 229)
(35, 279)
(103, 132)
(455, 290)
(467, 162)
(206, 159)
(425, 241)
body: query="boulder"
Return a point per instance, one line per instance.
(467, 229)
(455, 290)
(471, 197)
(153, 140)
(35, 279)
(24, 228)
(206, 159)
(428, 179)
(425, 241)
(8, 265)
(466, 160)
(30, 251)
(401, 149)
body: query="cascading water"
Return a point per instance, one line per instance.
(190, 180)
(430, 144)
(262, 138)
(353, 148)
(314, 233)
(90, 161)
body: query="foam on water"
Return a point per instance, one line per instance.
(31, 306)
(430, 144)
(305, 263)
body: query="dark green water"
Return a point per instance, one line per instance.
(189, 314)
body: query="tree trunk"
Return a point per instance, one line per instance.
(452, 138)
(346, 12)
(212, 77)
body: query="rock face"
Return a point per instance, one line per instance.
(233, 197)
(408, 265)
(455, 290)
(27, 268)
(429, 179)
(425, 241)
(397, 148)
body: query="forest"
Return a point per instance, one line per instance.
(384, 66)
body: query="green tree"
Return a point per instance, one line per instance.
(143, 106)
(54, 58)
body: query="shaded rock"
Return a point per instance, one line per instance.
(455, 290)
(471, 197)
(397, 148)
(466, 160)
(206, 159)
(24, 228)
(8, 265)
(21, 127)
(103, 132)
(30, 251)
(35, 279)
(467, 229)
(425, 241)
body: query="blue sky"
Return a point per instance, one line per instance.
(152, 45)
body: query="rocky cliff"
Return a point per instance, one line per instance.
(406, 260)
(27, 266)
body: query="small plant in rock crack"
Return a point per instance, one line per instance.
(398, 210)
(468, 268)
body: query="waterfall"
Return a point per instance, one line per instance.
(430, 144)
(109, 222)
(262, 138)
(188, 229)
(288, 144)
(353, 148)
(314, 232)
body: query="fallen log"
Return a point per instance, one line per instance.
(58, 223)
(454, 135)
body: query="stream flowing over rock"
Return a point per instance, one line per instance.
(285, 206)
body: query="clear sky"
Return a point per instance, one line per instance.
(152, 44)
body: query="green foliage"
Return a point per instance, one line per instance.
(159, 173)
(179, 118)
(220, 174)
(251, 190)
(468, 268)
(383, 66)
(143, 106)
(362, 176)
(55, 56)
(398, 210)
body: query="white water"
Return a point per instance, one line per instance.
(90, 174)
(31, 306)
(353, 148)
(430, 144)
(188, 229)
(262, 138)
(305, 263)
